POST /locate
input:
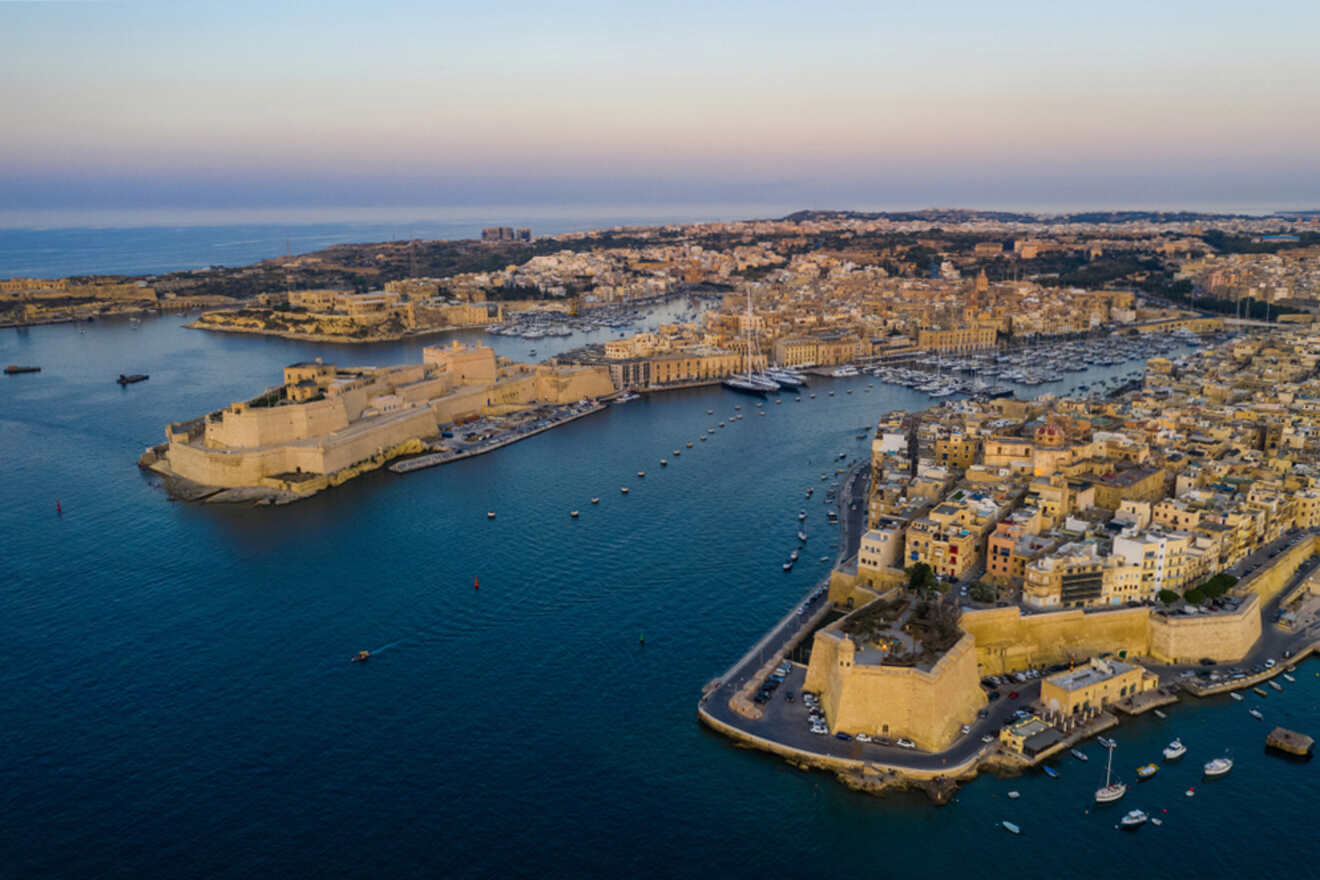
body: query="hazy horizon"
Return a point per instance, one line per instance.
(152, 106)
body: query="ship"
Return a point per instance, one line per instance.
(130, 379)
(15, 369)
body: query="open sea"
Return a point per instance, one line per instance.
(178, 698)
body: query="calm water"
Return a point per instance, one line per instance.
(179, 702)
(145, 244)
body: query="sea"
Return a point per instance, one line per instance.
(179, 702)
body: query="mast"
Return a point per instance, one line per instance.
(1108, 764)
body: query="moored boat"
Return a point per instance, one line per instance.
(1133, 819)
(1218, 767)
(1079, 754)
(1174, 750)
(1235, 695)
(132, 378)
(1146, 771)
(1112, 790)
(1276, 685)
(1256, 713)
(15, 369)
(1011, 827)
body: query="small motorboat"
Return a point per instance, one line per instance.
(361, 657)
(1007, 824)
(623, 490)
(490, 514)
(1160, 715)
(793, 556)
(802, 536)
(1235, 695)
(1174, 750)
(1050, 772)
(1218, 767)
(1078, 754)
(1260, 691)
(664, 462)
(802, 514)
(1133, 819)
(1015, 794)
(1146, 771)
(1191, 792)
(1289, 678)
(573, 514)
(1256, 713)
(641, 474)
(1156, 821)
(689, 444)
(1276, 685)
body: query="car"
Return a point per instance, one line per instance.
(788, 696)
(988, 738)
(819, 731)
(1287, 653)
(1206, 661)
(1269, 664)
(983, 713)
(992, 696)
(905, 743)
(863, 737)
(966, 729)
(843, 736)
(1012, 695)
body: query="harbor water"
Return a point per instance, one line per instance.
(179, 700)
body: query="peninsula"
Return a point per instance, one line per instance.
(324, 424)
(1032, 570)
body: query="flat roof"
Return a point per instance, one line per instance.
(1093, 673)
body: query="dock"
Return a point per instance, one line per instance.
(1289, 741)
(439, 458)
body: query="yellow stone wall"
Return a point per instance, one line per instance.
(1221, 637)
(243, 426)
(896, 701)
(1007, 641)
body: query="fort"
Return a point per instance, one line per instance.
(326, 424)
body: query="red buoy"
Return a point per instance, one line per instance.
(59, 510)
(476, 583)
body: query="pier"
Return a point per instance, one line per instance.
(438, 458)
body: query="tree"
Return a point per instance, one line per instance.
(1195, 596)
(1218, 585)
(1168, 597)
(920, 577)
(983, 592)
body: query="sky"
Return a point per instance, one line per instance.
(1021, 105)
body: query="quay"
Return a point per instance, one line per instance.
(438, 458)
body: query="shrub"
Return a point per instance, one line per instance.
(1195, 595)
(1168, 597)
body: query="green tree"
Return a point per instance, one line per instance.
(1168, 597)
(920, 577)
(983, 592)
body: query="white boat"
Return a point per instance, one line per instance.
(1218, 767)
(1159, 714)
(1255, 713)
(1174, 750)
(844, 371)
(1015, 795)
(1287, 677)
(1011, 827)
(1276, 685)
(1079, 754)
(1235, 695)
(1111, 791)
(1134, 819)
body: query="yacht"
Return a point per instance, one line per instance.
(845, 371)
(1112, 790)
(1218, 767)
(1133, 819)
(743, 385)
(1174, 750)
(786, 378)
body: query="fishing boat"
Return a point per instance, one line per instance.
(1078, 754)
(1011, 827)
(1050, 772)
(1112, 789)
(15, 369)
(1256, 713)
(361, 657)
(1218, 767)
(1174, 750)
(1133, 819)
(1146, 771)
(1235, 695)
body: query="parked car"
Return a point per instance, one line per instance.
(843, 736)
(905, 743)
(988, 738)
(966, 729)
(863, 737)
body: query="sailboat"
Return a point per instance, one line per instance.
(1111, 791)
(749, 382)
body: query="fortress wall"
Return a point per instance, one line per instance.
(1221, 637)
(1268, 582)
(214, 467)
(272, 425)
(571, 384)
(896, 701)
(464, 402)
(389, 432)
(1006, 640)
